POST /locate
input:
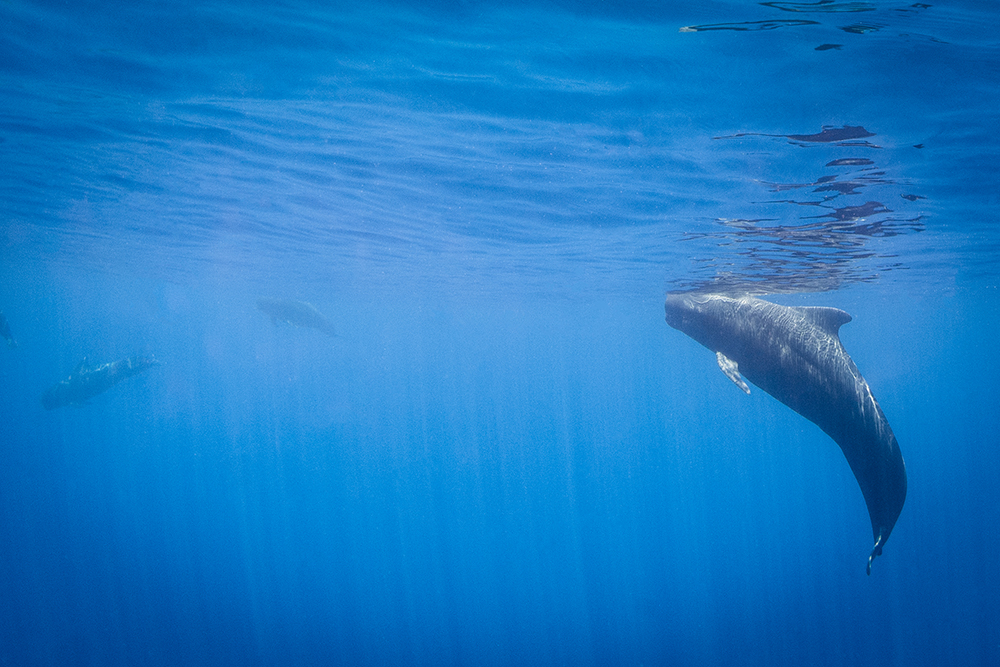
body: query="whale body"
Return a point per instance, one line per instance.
(86, 382)
(299, 313)
(795, 355)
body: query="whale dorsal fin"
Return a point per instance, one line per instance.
(828, 319)
(82, 367)
(732, 371)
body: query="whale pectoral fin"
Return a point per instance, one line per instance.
(732, 371)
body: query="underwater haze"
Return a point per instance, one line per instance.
(333, 333)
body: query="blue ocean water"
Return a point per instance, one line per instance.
(505, 456)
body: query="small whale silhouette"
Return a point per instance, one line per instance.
(299, 313)
(86, 382)
(5, 332)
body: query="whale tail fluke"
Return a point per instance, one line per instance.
(876, 551)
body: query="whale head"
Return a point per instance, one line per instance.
(700, 316)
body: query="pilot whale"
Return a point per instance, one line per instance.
(87, 382)
(299, 313)
(795, 355)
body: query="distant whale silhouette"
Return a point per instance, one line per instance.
(5, 332)
(86, 382)
(299, 313)
(795, 355)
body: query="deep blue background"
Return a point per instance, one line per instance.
(506, 456)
